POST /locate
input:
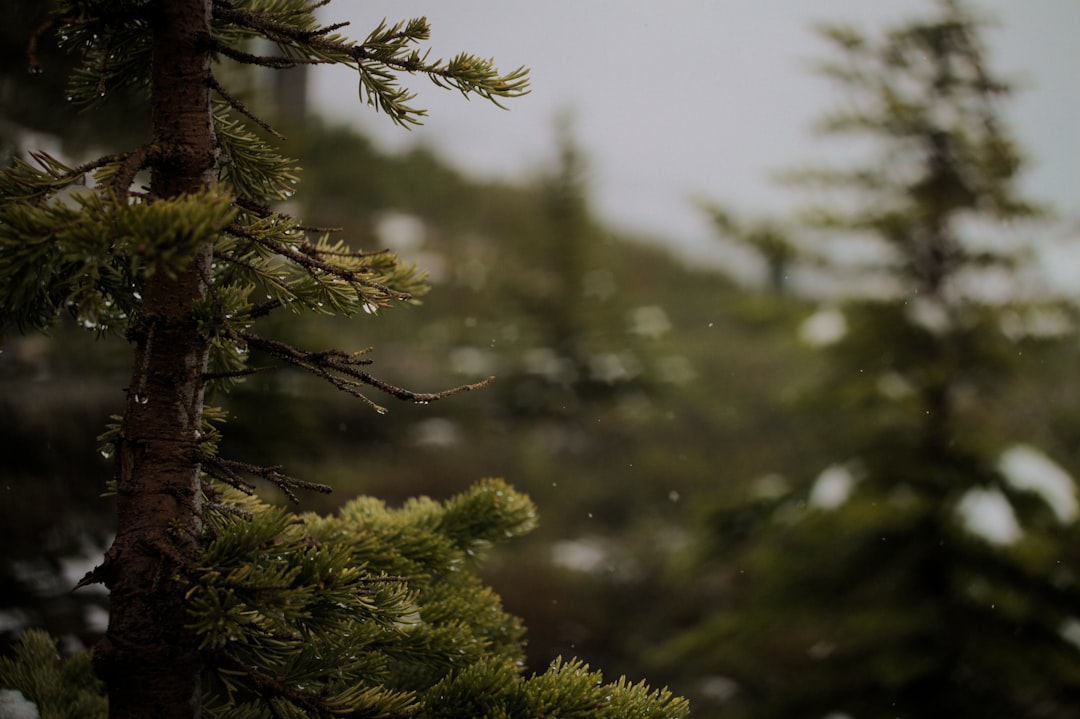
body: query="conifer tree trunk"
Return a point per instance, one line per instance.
(148, 659)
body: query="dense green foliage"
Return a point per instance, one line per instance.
(378, 607)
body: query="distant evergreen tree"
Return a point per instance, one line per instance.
(221, 605)
(769, 239)
(556, 294)
(917, 577)
(566, 296)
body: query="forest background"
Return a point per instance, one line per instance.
(635, 392)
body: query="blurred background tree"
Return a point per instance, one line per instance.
(927, 571)
(769, 239)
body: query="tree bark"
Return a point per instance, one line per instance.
(149, 659)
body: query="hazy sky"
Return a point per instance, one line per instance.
(692, 97)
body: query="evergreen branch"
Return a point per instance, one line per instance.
(426, 397)
(385, 51)
(327, 231)
(229, 477)
(320, 364)
(33, 64)
(99, 163)
(387, 580)
(114, 44)
(257, 589)
(249, 164)
(263, 211)
(234, 260)
(118, 180)
(256, 311)
(228, 508)
(312, 264)
(276, 62)
(232, 471)
(234, 374)
(103, 66)
(264, 308)
(340, 369)
(133, 161)
(240, 107)
(267, 686)
(309, 249)
(259, 209)
(307, 258)
(54, 175)
(263, 25)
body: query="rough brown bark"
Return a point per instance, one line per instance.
(148, 659)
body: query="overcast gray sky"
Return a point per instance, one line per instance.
(677, 98)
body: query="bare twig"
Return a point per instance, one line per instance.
(341, 369)
(276, 62)
(246, 372)
(271, 28)
(240, 107)
(134, 161)
(232, 472)
(33, 64)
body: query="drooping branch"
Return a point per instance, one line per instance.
(33, 63)
(232, 473)
(236, 374)
(341, 370)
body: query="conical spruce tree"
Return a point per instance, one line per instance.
(767, 238)
(223, 606)
(920, 576)
(565, 299)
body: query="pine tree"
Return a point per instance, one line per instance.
(872, 590)
(567, 300)
(220, 604)
(769, 239)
